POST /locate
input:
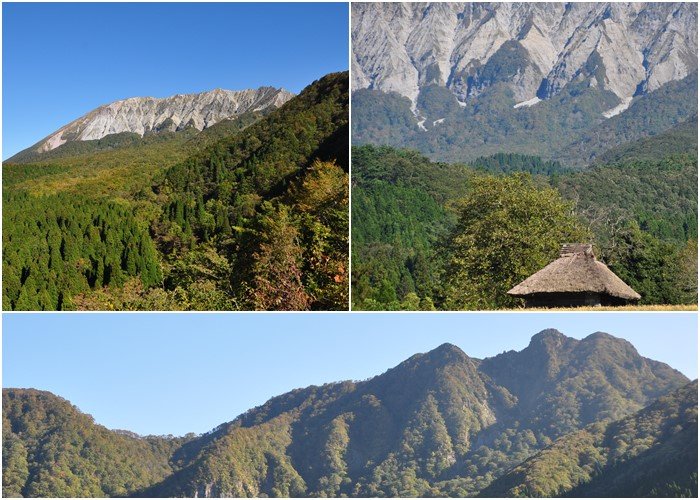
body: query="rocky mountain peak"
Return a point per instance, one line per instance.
(549, 343)
(548, 335)
(141, 115)
(536, 50)
(447, 353)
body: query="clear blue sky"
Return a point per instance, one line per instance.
(61, 60)
(175, 373)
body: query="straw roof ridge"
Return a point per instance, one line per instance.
(576, 270)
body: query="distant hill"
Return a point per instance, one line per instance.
(440, 423)
(670, 106)
(678, 140)
(51, 449)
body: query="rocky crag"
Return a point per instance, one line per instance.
(141, 115)
(626, 48)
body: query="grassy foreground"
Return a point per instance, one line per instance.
(692, 307)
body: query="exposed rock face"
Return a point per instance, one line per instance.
(535, 48)
(143, 114)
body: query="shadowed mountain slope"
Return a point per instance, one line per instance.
(652, 452)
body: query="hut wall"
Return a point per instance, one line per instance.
(564, 299)
(609, 300)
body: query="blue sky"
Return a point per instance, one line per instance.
(176, 373)
(62, 60)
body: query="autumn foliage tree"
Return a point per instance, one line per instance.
(277, 277)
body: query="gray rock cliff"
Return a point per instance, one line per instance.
(537, 48)
(144, 114)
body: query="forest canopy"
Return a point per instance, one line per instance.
(430, 234)
(249, 214)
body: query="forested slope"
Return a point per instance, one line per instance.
(679, 140)
(273, 202)
(650, 453)
(248, 214)
(439, 424)
(50, 448)
(412, 216)
(61, 245)
(650, 115)
(568, 127)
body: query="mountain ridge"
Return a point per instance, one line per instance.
(143, 115)
(438, 423)
(562, 81)
(626, 48)
(265, 192)
(586, 458)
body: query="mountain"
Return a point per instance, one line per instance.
(661, 112)
(482, 78)
(272, 201)
(144, 115)
(50, 448)
(440, 423)
(627, 49)
(653, 452)
(678, 140)
(251, 212)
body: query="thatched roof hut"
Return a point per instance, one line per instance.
(576, 278)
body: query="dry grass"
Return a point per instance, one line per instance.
(693, 307)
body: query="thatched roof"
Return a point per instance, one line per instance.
(576, 270)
